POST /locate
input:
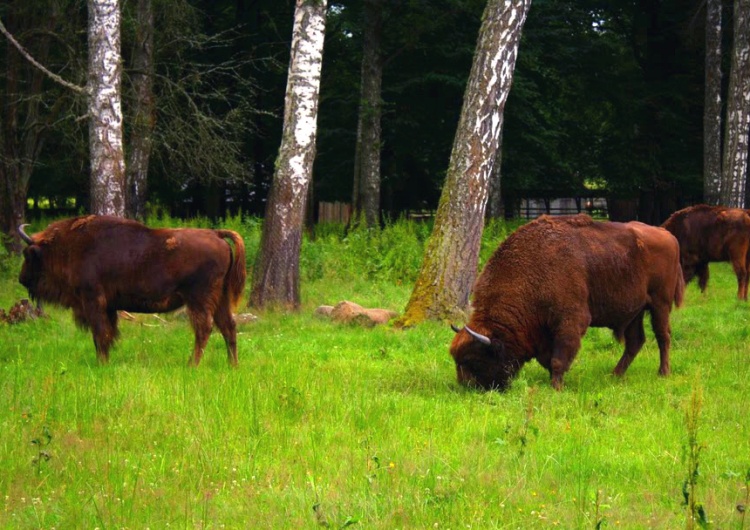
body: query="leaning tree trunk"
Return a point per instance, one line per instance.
(451, 257)
(276, 274)
(105, 112)
(738, 111)
(367, 155)
(144, 112)
(712, 105)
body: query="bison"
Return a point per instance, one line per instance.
(97, 265)
(552, 279)
(712, 233)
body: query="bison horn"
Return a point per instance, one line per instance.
(24, 235)
(478, 336)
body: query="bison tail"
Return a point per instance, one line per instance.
(234, 283)
(679, 291)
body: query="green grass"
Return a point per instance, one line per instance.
(333, 425)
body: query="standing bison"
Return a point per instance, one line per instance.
(555, 277)
(712, 233)
(97, 265)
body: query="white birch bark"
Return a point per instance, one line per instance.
(712, 105)
(452, 254)
(276, 278)
(738, 111)
(105, 112)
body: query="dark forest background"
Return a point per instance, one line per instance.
(607, 101)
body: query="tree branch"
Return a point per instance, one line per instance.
(54, 77)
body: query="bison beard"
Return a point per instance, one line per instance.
(554, 278)
(97, 265)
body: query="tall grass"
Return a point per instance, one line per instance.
(327, 425)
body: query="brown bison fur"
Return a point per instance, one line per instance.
(98, 265)
(555, 277)
(712, 233)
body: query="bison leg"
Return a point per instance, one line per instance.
(663, 333)
(740, 270)
(202, 323)
(104, 329)
(225, 322)
(564, 350)
(635, 337)
(702, 272)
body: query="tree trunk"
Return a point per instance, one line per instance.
(144, 112)
(712, 105)
(276, 274)
(367, 155)
(108, 189)
(452, 253)
(738, 111)
(495, 204)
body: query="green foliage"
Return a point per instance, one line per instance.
(324, 424)
(5, 258)
(594, 100)
(393, 253)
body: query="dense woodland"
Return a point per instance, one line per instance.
(607, 100)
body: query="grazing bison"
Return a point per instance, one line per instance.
(555, 277)
(712, 233)
(97, 265)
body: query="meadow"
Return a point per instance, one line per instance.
(335, 426)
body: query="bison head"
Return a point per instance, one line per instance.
(481, 361)
(31, 270)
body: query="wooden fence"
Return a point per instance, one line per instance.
(334, 212)
(533, 208)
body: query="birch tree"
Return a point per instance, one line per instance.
(737, 124)
(108, 191)
(451, 257)
(276, 272)
(712, 105)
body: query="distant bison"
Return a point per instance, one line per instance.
(712, 233)
(98, 265)
(555, 277)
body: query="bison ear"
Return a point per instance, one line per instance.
(33, 252)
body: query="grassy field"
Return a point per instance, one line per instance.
(327, 425)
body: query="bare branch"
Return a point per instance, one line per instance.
(54, 77)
